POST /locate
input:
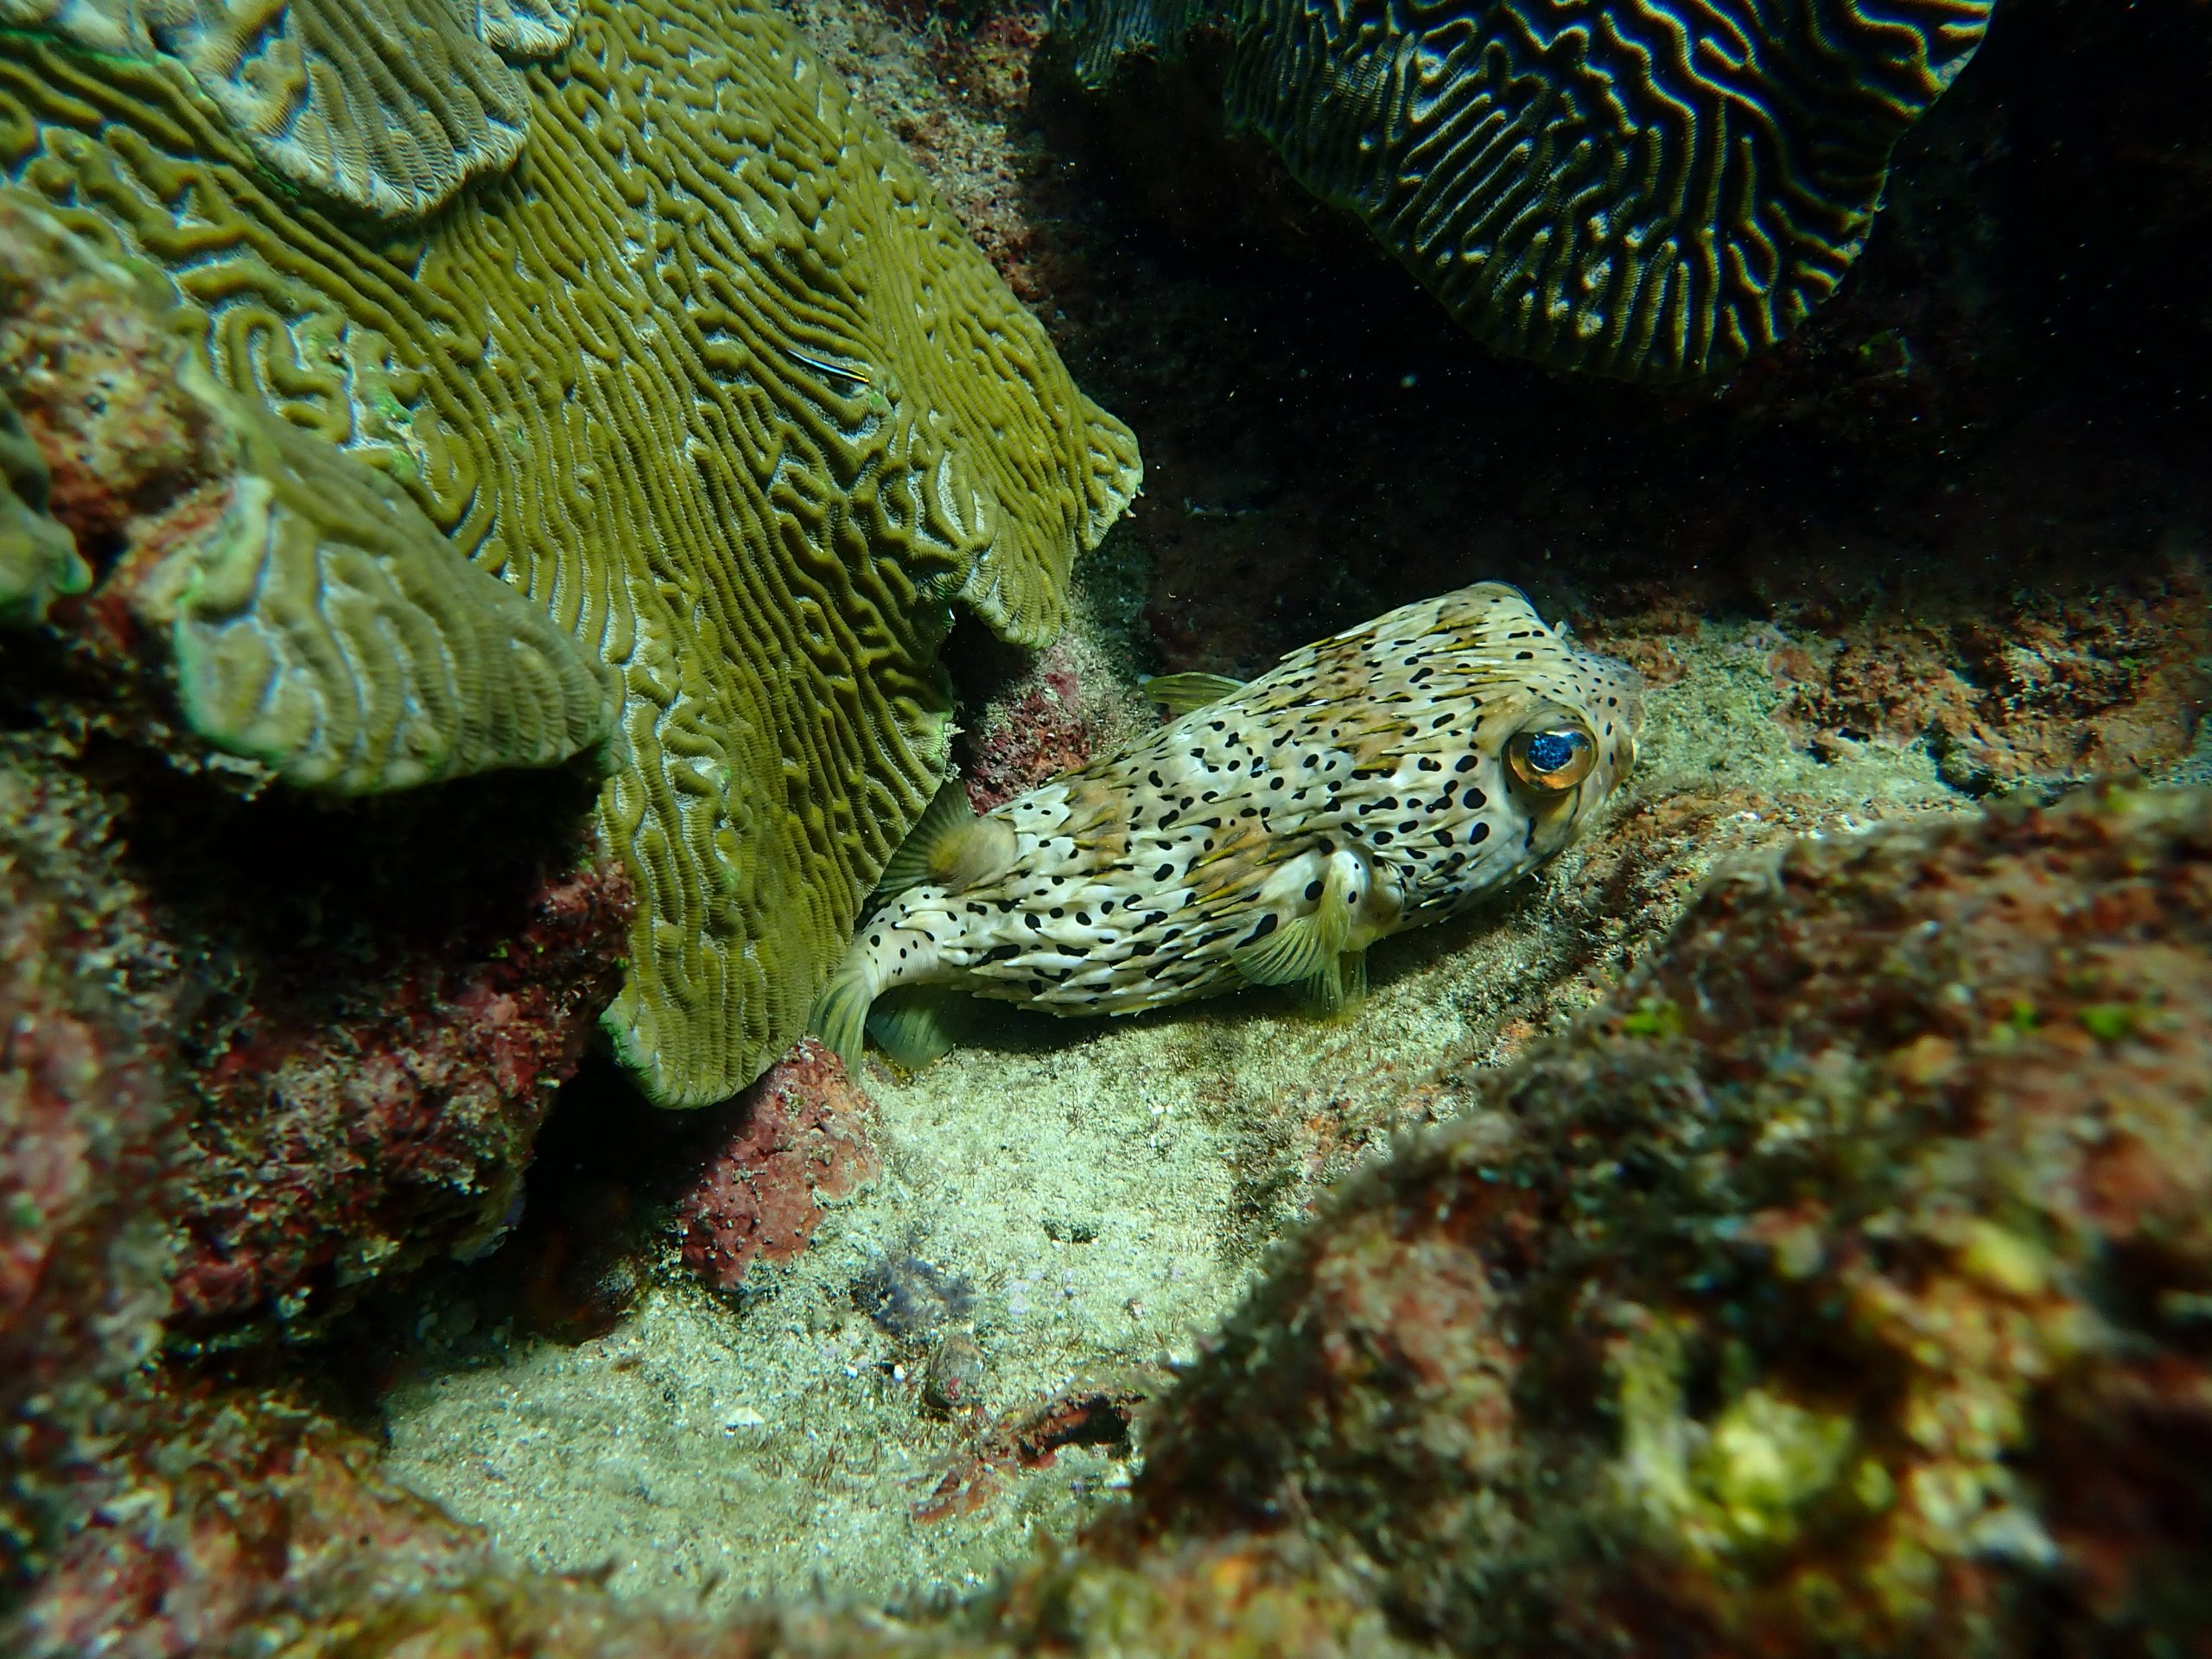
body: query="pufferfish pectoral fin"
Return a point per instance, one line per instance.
(840, 1017)
(1309, 950)
(1180, 693)
(915, 1024)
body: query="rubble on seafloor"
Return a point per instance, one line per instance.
(1837, 1286)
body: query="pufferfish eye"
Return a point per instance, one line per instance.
(1553, 757)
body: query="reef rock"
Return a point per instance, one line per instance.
(88, 1132)
(1839, 1287)
(708, 375)
(796, 1140)
(1643, 191)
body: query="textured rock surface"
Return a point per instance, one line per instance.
(1632, 188)
(88, 1130)
(1838, 1288)
(720, 387)
(38, 556)
(370, 1079)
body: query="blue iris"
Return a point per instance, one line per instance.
(1555, 751)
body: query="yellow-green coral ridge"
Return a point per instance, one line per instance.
(713, 378)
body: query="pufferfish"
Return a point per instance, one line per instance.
(1268, 834)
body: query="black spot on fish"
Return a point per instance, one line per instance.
(1154, 918)
(1266, 926)
(1473, 801)
(1275, 783)
(1153, 778)
(1444, 837)
(1036, 924)
(1083, 917)
(1441, 721)
(1480, 834)
(1163, 873)
(1312, 891)
(974, 909)
(1383, 837)
(1524, 656)
(1057, 913)
(1002, 953)
(1427, 764)
(875, 938)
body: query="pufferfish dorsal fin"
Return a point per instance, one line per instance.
(1180, 693)
(950, 846)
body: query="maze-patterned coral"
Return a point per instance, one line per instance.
(1646, 189)
(715, 379)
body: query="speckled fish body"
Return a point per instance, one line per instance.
(1376, 780)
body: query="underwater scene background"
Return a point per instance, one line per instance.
(536, 536)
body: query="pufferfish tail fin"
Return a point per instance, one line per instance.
(1178, 694)
(840, 1017)
(915, 1024)
(949, 846)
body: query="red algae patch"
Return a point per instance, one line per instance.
(371, 1098)
(794, 1142)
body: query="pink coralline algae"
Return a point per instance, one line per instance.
(795, 1141)
(1067, 709)
(87, 1130)
(374, 1096)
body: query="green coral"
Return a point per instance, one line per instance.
(317, 622)
(385, 105)
(1644, 188)
(713, 378)
(328, 631)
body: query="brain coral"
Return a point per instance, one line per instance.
(390, 105)
(1646, 189)
(711, 376)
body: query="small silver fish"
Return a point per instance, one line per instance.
(1268, 834)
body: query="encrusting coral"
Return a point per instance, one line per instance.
(711, 377)
(1627, 186)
